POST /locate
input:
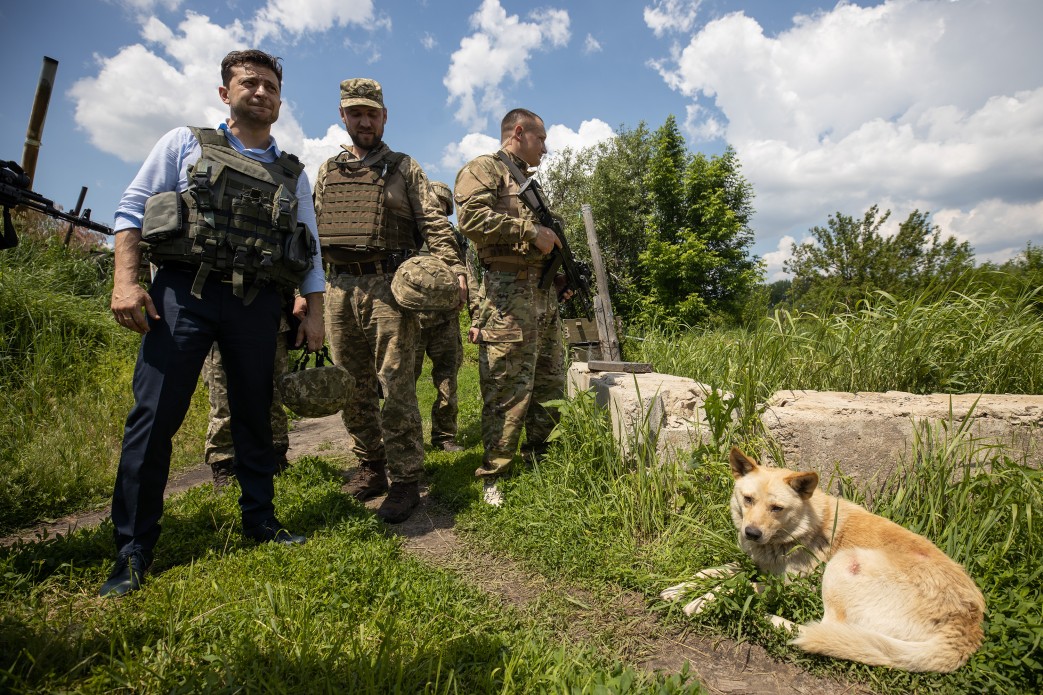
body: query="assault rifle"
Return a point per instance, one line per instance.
(15, 192)
(577, 273)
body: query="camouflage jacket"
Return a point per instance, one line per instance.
(430, 219)
(489, 212)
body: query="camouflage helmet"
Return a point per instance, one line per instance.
(424, 283)
(317, 391)
(444, 195)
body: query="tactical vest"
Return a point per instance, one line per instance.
(238, 217)
(355, 214)
(508, 203)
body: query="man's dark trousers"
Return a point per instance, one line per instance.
(169, 361)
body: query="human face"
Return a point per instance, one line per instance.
(531, 138)
(252, 95)
(365, 125)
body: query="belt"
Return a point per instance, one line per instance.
(365, 268)
(521, 270)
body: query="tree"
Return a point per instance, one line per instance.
(848, 259)
(673, 227)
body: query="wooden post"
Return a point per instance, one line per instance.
(606, 320)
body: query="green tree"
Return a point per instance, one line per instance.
(848, 259)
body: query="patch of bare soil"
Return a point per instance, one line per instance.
(618, 622)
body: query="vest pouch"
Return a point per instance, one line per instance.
(251, 216)
(298, 249)
(164, 217)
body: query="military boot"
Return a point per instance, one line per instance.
(402, 499)
(222, 471)
(370, 480)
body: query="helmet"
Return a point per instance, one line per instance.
(424, 283)
(317, 391)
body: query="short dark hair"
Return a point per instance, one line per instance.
(254, 56)
(513, 118)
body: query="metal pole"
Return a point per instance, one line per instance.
(606, 320)
(76, 212)
(34, 133)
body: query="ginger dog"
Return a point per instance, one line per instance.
(891, 597)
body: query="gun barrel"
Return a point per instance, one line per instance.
(34, 133)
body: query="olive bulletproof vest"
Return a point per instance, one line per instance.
(238, 216)
(354, 215)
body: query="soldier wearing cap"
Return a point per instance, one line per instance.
(375, 207)
(521, 360)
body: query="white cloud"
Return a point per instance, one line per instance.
(312, 151)
(456, 154)
(300, 16)
(774, 260)
(498, 49)
(590, 133)
(672, 15)
(863, 105)
(591, 45)
(428, 41)
(147, 7)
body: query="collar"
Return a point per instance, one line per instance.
(271, 151)
(372, 157)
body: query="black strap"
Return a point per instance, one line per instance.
(322, 356)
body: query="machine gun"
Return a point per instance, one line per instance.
(577, 274)
(15, 191)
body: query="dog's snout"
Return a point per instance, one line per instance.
(753, 533)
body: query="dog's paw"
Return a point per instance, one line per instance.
(696, 607)
(723, 572)
(675, 592)
(781, 623)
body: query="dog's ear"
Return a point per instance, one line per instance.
(803, 484)
(741, 464)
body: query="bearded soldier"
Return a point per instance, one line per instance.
(520, 356)
(375, 207)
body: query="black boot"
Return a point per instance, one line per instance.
(369, 481)
(402, 499)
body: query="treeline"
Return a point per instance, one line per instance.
(674, 230)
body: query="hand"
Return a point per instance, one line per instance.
(561, 285)
(130, 303)
(473, 335)
(309, 310)
(546, 239)
(462, 279)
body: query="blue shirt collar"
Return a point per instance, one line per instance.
(269, 153)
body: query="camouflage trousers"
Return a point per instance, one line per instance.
(218, 446)
(440, 340)
(375, 341)
(521, 364)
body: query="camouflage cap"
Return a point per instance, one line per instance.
(444, 195)
(361, 91)
(424, 283)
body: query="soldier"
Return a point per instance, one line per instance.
(375, 207)
(440, 340)
(227, 218)
(520, 356)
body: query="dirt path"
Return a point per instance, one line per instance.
(721, 665)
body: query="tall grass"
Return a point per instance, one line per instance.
(981, 342)
(65, 371)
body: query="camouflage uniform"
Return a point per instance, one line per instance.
(374, 339)
(520, 356)
(219, 452)
(440, 340)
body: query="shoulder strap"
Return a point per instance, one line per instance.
(517, 173)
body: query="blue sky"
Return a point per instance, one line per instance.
(934, 105)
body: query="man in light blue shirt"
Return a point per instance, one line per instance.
(185, 312)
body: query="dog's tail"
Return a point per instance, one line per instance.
(846, 641)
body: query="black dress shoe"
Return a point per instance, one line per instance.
(272, 531)
(127, 575)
